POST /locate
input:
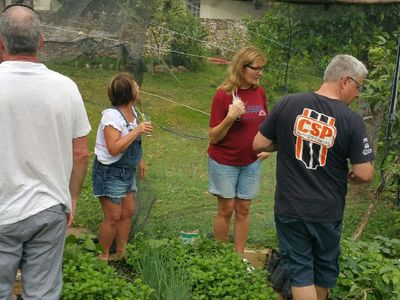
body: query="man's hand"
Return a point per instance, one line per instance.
(71, 215)
(70, 218)
(354, 179)
(263, 155)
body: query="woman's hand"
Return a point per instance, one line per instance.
(263, 155)
(219, 132)
(236, 109)
(142, 168)
(144, 127)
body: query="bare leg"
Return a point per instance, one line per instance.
(304, 293)
(242, 221)
(322, 292)
(112, 214)
(125, 223)
(223, 219)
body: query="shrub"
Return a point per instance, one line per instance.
(369, 269)
(188, 38)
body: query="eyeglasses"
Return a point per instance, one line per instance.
(18, 4)
(360, 86)
(257, 69)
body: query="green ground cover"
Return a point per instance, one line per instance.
(158, 266)
(177, 165)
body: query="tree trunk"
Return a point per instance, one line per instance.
(366, 216)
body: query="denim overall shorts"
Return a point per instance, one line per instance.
(114, 181)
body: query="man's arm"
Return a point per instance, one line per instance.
(361, 173)
(263, 144)
(79, 169)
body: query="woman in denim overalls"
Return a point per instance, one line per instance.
(118, 154)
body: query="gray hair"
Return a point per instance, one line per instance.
(344, 65)
(20, 31)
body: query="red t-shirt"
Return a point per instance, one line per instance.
(236, 148)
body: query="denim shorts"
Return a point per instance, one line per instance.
(233, 181)
(310, 251)
(112, 182)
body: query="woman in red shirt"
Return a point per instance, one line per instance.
(238, 108)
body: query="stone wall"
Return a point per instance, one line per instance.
(82, 38)
(225, 36)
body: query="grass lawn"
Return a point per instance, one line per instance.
(177, 159)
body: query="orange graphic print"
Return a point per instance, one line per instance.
(315, 134)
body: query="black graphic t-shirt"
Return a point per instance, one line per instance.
(315, 136)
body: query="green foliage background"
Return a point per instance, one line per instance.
(185, 31)
(177, 164)
(315, 33)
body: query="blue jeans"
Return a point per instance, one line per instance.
(233, 181)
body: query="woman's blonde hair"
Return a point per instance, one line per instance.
(246, 56)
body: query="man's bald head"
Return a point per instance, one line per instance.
(20, 31)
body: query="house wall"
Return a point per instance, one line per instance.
(229, 9)
(42, 4)
(33, 3)
(7, 2)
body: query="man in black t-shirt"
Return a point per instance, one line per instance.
(315, 135)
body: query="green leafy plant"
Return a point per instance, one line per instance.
(369, 269)
(157, 263)
(188, 35)
(378, 94)
(212, 270)
(315, 33)
(85, 277)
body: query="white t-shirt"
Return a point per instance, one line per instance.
(111, 117)
(41, 112)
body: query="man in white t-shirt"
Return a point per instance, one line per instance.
(44, 156)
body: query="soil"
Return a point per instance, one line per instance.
(257, 257)
(77, 231)
(18, 285)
